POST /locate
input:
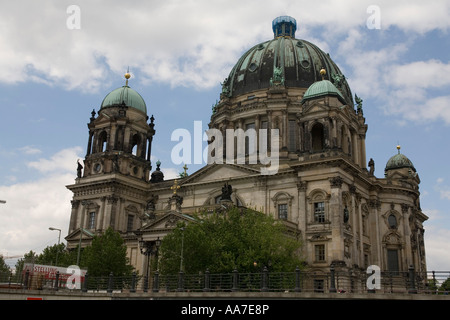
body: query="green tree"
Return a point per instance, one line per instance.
(52, 253)
(29, 257)
(107, 253)
(445, 286)
(244, 240)
(4, 268)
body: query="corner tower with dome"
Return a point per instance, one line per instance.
(112, 181)
(325, 190)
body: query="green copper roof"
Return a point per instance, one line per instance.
(297, 61)
(323, 88)
(399, 161)
(124, 96)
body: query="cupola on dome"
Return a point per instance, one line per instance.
(124, 96)
(297, 61)
(399, 161)
(323, 88)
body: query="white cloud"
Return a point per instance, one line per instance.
(420, 74)
(63, 161)
(181, 43)
(31, 208)
(368, 66)
(437, 248)
(30, 150)
(417, 16)
(34, 206)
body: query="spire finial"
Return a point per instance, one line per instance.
(398, 148)
(127, 76)
(323, 72)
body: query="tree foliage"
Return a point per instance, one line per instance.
(107, 253)
(55, 255)
(4, 268)
(244, 240)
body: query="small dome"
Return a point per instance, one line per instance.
(399, 161)
(157, 175)
(124, 96)
(323, 88)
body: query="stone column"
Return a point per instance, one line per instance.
(375, 236)
(112, 134)
(336, 250)
(74, 215)
(406, 233)
(284, 129)
(302, 186)
(363, 161)
(355, 148)
(102, 219)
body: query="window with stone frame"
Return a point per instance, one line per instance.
(319, 253)
(392, 261)
(392, 221)
(130, 222)
(319, 212)
(318, 201)
(91, 222)
(283, 211)
(282, 202)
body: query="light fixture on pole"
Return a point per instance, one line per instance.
(182, 249)
(59, 239)
(148, 248)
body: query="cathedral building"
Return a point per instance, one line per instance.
(323, 189)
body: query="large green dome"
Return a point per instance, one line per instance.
(124, 96)
(299, 62)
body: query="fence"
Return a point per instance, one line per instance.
(409, 282)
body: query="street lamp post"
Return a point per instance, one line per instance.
(148, 248)
(182, 249)
(59, 239)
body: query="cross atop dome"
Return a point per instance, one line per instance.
(284, 26)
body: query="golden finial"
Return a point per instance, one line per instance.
(127, 76)
(398, 148)
(323, 72)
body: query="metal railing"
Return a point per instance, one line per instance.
(409, 282)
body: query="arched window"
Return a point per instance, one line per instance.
(135, 145)
(282, 202)
(102, 141)
(317, 135)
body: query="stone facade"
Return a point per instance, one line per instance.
(324, 189)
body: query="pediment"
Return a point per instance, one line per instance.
(166, 222)
(75, 235)
(217, 172)
(316, 107)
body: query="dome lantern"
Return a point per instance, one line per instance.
(284, 26)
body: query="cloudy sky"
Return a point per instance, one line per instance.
(59, 59)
